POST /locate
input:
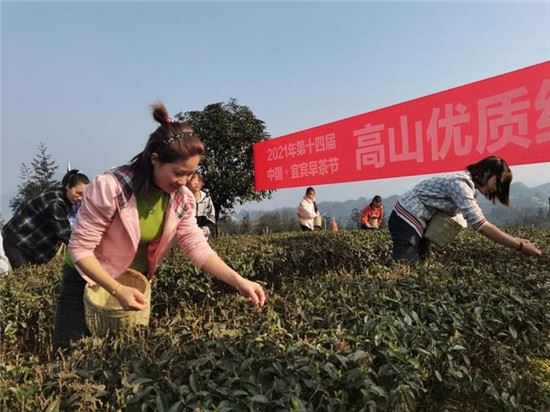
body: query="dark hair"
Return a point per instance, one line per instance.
(74, 177)
(489, 167)
(309, 190)
(193, 176)
(197, 175)
(172, 141)
(376, 199)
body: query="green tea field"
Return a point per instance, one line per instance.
(344, 329)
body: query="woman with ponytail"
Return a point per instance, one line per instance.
(39, 227)
(128, 218)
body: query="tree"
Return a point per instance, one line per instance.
(283, 220)
(354, 220)
(246, 223)
(36, 178)
(228, 131)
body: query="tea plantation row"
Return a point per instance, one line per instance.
(344, 329)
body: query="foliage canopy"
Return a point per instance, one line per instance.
(228, 130)
(36, 178)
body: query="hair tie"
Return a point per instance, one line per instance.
(75, 172)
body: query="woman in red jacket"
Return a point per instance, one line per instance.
(371, 216)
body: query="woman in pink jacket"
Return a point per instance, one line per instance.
(128, 218)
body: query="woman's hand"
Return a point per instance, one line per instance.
(130, 298)
(252, 291)
(524, 246)
(219, 269)
(529, 248)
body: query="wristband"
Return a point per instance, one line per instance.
(520, 247)
(114, 291)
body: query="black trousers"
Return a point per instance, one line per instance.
(15, 255)
(70, 324)
(407, 245)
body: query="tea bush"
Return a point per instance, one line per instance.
(344, 329)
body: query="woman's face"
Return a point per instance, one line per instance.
(195, 184)
(170, 177)
(490, 186)
(74, 194)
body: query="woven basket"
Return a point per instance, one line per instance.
(103, 312)
(318, 221)
(443, 228)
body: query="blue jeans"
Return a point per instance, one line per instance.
(408, 246)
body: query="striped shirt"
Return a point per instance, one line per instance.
(450, 194)
(40, 226)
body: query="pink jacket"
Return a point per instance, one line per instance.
(108, 226)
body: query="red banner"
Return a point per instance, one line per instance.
(506, 115)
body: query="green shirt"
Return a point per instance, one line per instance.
(151, 210)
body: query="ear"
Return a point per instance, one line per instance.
(155, 159)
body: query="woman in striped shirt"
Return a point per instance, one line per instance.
(452, 194)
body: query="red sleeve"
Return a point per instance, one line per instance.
(365, 215)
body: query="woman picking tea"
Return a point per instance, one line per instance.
(452, 194)
(128, 218)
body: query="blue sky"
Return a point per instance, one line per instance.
(80, 76)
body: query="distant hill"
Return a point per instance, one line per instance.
(524, 201)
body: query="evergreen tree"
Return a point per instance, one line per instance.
(35, 179)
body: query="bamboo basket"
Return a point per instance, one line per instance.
(103, 312)
(317, 221)
(443, 228)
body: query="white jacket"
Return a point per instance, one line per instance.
(4, 262)
(306, 213)
(205, 207)
(205, 213)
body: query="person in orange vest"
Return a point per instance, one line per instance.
(334, 225)
(372, 214)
